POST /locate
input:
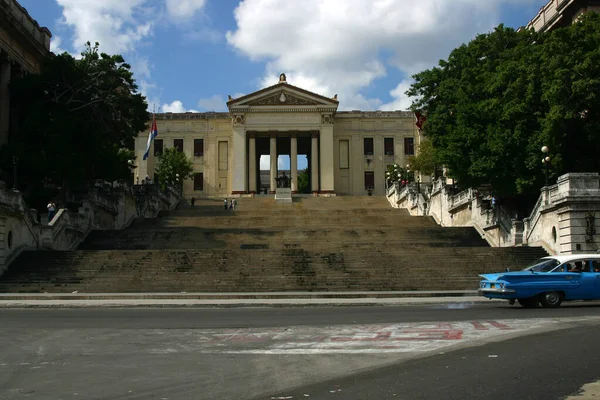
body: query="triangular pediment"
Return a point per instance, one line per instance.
(282, 94)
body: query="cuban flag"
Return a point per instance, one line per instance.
(419, 120)
(153, 133)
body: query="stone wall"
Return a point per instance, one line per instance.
(104, 208)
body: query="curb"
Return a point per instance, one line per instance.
(236, 296)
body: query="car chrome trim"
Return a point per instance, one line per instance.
(496, 290)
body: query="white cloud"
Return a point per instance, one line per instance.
(55, 43)
(175, 107)
(214, 103)
(184, 8)
(118, 25)
(336, 46)
(401, 101)
(265, 163)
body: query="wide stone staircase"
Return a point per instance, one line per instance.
(312, 244)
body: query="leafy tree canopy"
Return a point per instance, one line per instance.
(173, 168)
(498, 99)
(303, 181)
(426, 160)
(76, 119)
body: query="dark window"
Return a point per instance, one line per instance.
(409, 146)
(199, 181)
(198, 147)
(368, 145)
(388, 146)
(178, 144)
(158, 147)
(369, 179)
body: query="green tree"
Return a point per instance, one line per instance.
(571, 88)
(498, 99)
(303, 181)
(173, 168)
(76, 119)
(483, 106)
(426, 160)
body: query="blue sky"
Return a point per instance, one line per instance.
(188, 55)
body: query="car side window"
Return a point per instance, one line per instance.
(576, 266)
(595, 265)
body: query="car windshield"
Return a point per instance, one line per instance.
(543, 265)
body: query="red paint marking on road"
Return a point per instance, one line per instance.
(478, 326)
(379, 337)
(499, 325)
(434, 334)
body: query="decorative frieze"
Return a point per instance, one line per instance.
(326, 119)
(282, 98)
(237, 120)
(283, 119)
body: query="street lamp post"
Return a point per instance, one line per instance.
(546, 161)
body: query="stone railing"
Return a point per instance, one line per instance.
(462, 209)
(103, 209)
(562, 221)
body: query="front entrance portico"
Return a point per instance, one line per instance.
(282, 119)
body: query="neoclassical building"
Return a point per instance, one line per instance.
(23, 45)
(347, 151)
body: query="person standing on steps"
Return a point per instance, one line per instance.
(51, 210)
(233, 204)
(225, 203)
(193, 201)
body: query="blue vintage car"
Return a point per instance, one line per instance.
(549, 281)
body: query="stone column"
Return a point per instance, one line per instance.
(239, 173)
(273, 159)
(5, 71)
(326, 153)
(314, 162)
(252, 163)
(294, 162)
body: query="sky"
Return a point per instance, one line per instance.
(189, 55)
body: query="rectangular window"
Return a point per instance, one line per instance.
(199, 181)
(178, 144)
(198, 147)
(388, 146)
(369, 179)
(344, 154)
(368, 145)
(158, 147)
(409, 146)
(223, 154)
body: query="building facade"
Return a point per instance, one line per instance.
(23, 45)
(347, 151)
(560, 13)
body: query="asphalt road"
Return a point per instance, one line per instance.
(266, 353)
(545, 367)
(208, 318)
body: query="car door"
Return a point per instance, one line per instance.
(595, 278)
(588, 284)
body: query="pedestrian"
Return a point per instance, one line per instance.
(493, 202)
(193, 201)
(225, 203)
(233, 204)
(51, 210)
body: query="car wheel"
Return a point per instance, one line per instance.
(530, 302)
(551, 299)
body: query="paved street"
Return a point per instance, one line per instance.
(433, 351)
